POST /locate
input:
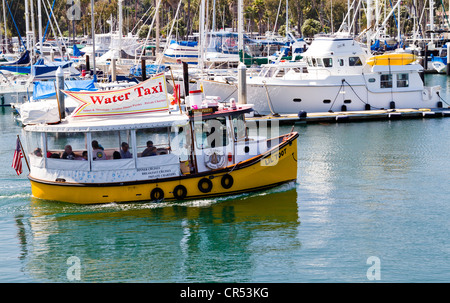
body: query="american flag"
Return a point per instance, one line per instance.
(17, 160)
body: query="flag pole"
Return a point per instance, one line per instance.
(174, 88)
(23, 153)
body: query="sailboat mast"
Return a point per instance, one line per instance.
(241, 29)
(432, 20)
(120, 23)
(287, 17)
(40, 26)
(4, 23)
(27, 24)
(93, 39)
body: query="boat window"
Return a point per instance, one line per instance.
(341, 62)
(211, 133)
(66, 146)
(239, 127)
(271, 71)
(402, 80)
(319, 62)
(153, 141)
(386, 81)
(34, 144)
(308, 59)
(314, 62)
(113, 145)
(354, 61)
(280, 73)
(328, 62)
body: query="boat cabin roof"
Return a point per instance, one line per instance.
(211, 112)
(93, 124)
(137, 121)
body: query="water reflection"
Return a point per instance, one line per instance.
(202, 240)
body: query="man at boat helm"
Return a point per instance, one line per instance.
(97, 152)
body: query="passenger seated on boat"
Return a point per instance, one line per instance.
(97, 152)
(147, 152)
(84, 156)
(68, 153)
(153, 151)
(37, 152)
(116, 155)
(124, 151)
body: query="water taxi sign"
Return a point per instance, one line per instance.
(147, 96)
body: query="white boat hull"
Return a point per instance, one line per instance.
(289, 97)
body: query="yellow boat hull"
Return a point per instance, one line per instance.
(392, 59)
(273, 168)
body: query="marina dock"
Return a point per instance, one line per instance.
(356, 116)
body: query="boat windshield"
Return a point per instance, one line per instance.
(211, 133)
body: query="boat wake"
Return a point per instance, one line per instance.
(199, 203)
(28, 195)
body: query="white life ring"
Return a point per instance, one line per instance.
(214, 158)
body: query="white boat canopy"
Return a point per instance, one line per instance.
(92, 124)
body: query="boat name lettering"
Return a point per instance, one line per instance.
(107, 100)
(274, 157)
(146, 91)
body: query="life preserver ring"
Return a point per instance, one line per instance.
(205, 185)
(180, 192)
(214, 158)
(227, 181)
(156, 194)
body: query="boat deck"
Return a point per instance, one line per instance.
(356, 116)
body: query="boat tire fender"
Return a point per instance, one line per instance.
(180, 192)
(227, 181)
(156, 194)
(205, 185)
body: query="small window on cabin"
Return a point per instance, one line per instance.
(114, 144)
(308, 59)
(314, 62)
(211, 133)
(386, 81)
(328, 62)
(153, 141)
(341, 62)
(402, 80)
(239, 127)
(59, 143)
(319, 62)
(354, 61)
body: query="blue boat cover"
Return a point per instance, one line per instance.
(185, 43)
(23, 60)
(46, 89)
(76, 51)
(150, 70)
(48, 70)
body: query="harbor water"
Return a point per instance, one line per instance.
(371, 204)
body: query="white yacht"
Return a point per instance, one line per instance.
(337, 75)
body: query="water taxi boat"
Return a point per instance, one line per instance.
(128, 145)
